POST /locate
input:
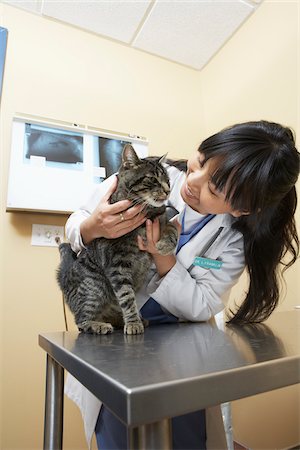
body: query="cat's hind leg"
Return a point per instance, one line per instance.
(91, 299)
(95, 327)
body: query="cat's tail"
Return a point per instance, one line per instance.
(67, 259)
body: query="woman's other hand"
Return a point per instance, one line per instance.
(152, 237)
(164, 263)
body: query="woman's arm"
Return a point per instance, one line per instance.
(200, 294)
(196, 294)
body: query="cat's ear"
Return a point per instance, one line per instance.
(163, 158)
(129, 157)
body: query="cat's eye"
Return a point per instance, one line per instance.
(151, 181)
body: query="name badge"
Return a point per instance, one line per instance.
(207, 263)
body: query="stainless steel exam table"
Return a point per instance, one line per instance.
(170, 370)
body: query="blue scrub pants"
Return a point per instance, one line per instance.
(188, 431)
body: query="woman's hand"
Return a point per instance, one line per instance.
(152, 237)
(163, 263)
(111, 220)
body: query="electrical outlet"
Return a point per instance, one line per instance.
(45, 235)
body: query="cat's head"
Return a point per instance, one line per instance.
(145, 180)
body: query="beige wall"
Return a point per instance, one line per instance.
(60, 72)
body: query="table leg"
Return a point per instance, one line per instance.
(153, 436)
(54, 403)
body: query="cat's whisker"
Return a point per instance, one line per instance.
(143, 208)
(139, 202)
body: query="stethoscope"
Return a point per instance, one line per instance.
(209, 243)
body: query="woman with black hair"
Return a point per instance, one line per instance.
(236, 200)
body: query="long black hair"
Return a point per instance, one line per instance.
(258, 166)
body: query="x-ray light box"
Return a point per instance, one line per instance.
(54, 167)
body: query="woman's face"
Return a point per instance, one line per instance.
(199, 192)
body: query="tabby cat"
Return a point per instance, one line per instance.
(99, 285)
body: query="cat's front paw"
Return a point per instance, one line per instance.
(165, 247)
(134, 327)
(168, 241)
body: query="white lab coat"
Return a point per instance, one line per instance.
(197, 294)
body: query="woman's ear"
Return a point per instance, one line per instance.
(238, 213)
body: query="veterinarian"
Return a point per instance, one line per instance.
(236, 201)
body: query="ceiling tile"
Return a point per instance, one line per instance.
(115, 19)
(190, 32)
